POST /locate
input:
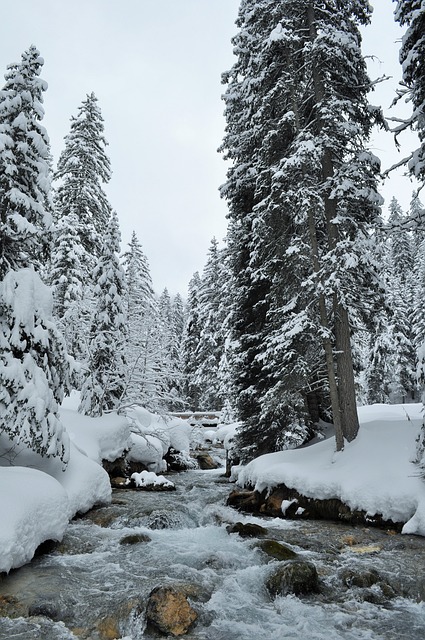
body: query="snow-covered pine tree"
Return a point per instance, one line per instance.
(411, 14)
(144, 380)
(211, 340)
(140, 296)
(302, 197)
(82, 169)
(400, 300)
(34, 366)
(25, 167)
(104, 385)
(191, 338)
(169, 353)
(72, 304)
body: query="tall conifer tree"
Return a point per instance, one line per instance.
(82, 170)
(302, 198)
(104, 385)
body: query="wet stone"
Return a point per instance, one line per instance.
(276, 550)
(248, 530)
(169, 611)
(135, 539)
(46, 609)
(293, 577)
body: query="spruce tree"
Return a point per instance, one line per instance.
(104, 385)
(411, 14)
(34, 366)
(143, 380)
(25, 167)
(303, 200)
(82, 170)
(191, 338)
(72, 302)
(211, 340)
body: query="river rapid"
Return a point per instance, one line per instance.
(94, 582)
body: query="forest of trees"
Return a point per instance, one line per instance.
(313, 305)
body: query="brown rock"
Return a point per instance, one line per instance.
(205, 461)
(169, 611)
(108, 628)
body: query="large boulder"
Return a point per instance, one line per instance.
(296, 577)
(169, 611)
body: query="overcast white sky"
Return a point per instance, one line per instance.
(155, 66)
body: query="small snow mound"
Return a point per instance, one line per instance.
(150, 479)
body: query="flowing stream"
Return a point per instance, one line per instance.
(93, 583)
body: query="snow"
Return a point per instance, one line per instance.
(148, 450)
(41, 497)
(148, 479)
(37, 509)
(375, 473)
(225, 434)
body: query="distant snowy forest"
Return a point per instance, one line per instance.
(314, 305)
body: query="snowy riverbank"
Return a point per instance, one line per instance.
(39, 497)
(375, 473)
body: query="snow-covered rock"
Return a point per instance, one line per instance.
(147, 450)
(148, 479)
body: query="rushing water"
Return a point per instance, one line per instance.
(90, 578)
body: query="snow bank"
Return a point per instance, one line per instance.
(171, 432)
(225, 434)
(41, 497)
(375, 473)
(148, 450)
(104, 438)
(35, 508)
(85, 482)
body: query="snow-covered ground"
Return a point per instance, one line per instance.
(375, 473)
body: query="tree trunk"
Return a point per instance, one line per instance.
(344, 361)
(347, 392)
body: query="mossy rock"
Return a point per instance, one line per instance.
(135, 539)
(248, 530)
(296, 577)
(277, 550)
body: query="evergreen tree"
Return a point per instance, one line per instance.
(82, 169)
(411, 13)
(104, 385)
(144, 378)
(169, 351)
(24, 167)
(210, 347)
(140, 294)
(72, 306)
(34, 366)
(303, 199)
(400, 300)
(191, 338)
